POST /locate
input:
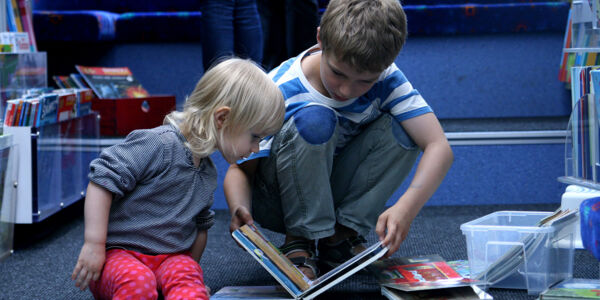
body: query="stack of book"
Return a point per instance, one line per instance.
(573, 288)
(106, 82)
(40, 107)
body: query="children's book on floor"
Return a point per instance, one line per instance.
(251, 293)
(112, 82)
(289, 276)
(573, 288)
(418, 273)
(425, 277)
(463, 293)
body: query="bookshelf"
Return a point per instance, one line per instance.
(53, 165)
(581, 44)
(8, 178)
(582, 152)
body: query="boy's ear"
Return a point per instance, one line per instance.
(319, 37)
(221, 115)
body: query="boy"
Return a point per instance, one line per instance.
(353, 130)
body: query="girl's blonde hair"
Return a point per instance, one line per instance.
(255, 102)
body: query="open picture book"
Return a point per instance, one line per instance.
(425, 277)
(289, 276)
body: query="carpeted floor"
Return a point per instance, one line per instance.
(45, 254)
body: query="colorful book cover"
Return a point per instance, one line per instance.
(320, 284)
(266, 262)
(35, 105)
(24, 113)
(18, 113)
(48, 111)
(280, 260)
(417, 273)
(66, 105)
(84, 101)
(457, 293)
(562, 74)
(16, 14)
(573, 288)
(461, 266)
(26, 21)
(9, 113)
(115, 82)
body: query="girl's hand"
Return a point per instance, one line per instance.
(392, 227)
(240, 217)
(89, 265)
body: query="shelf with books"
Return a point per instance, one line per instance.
(581, 44)
(53, 165)
(582, 152)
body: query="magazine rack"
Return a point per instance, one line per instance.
(53, 165)
(582, 154)
(8, 178)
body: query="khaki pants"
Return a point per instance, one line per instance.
(303, 189)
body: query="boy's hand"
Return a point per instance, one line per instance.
(89, 265)
(392, 227)
(240, 217)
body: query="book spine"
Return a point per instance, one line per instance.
(9, 114)
(16, 14)
(266, 262)
(280, 261)
(26, 20)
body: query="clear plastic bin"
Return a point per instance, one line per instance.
(537, 256)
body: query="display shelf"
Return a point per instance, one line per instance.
(53, 164)
(582, 154)
(8, 180)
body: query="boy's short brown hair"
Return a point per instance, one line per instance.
(366, 34)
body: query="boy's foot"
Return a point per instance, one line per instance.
(332, 255)
(302, 254)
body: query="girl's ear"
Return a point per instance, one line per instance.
(221, 115)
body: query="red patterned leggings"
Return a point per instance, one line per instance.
(132, 275)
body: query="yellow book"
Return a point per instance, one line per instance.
(591, 59)
(17, 15)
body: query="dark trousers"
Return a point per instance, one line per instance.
(289, 27)
(230, 27)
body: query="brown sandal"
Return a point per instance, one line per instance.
(296, 246)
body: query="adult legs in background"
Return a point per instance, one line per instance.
(230, 27)
(248, 35)
(289, 27)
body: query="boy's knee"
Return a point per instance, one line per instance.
(315, 124)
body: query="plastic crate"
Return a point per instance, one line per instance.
(541, 256)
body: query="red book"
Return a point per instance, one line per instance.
(66, 105)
